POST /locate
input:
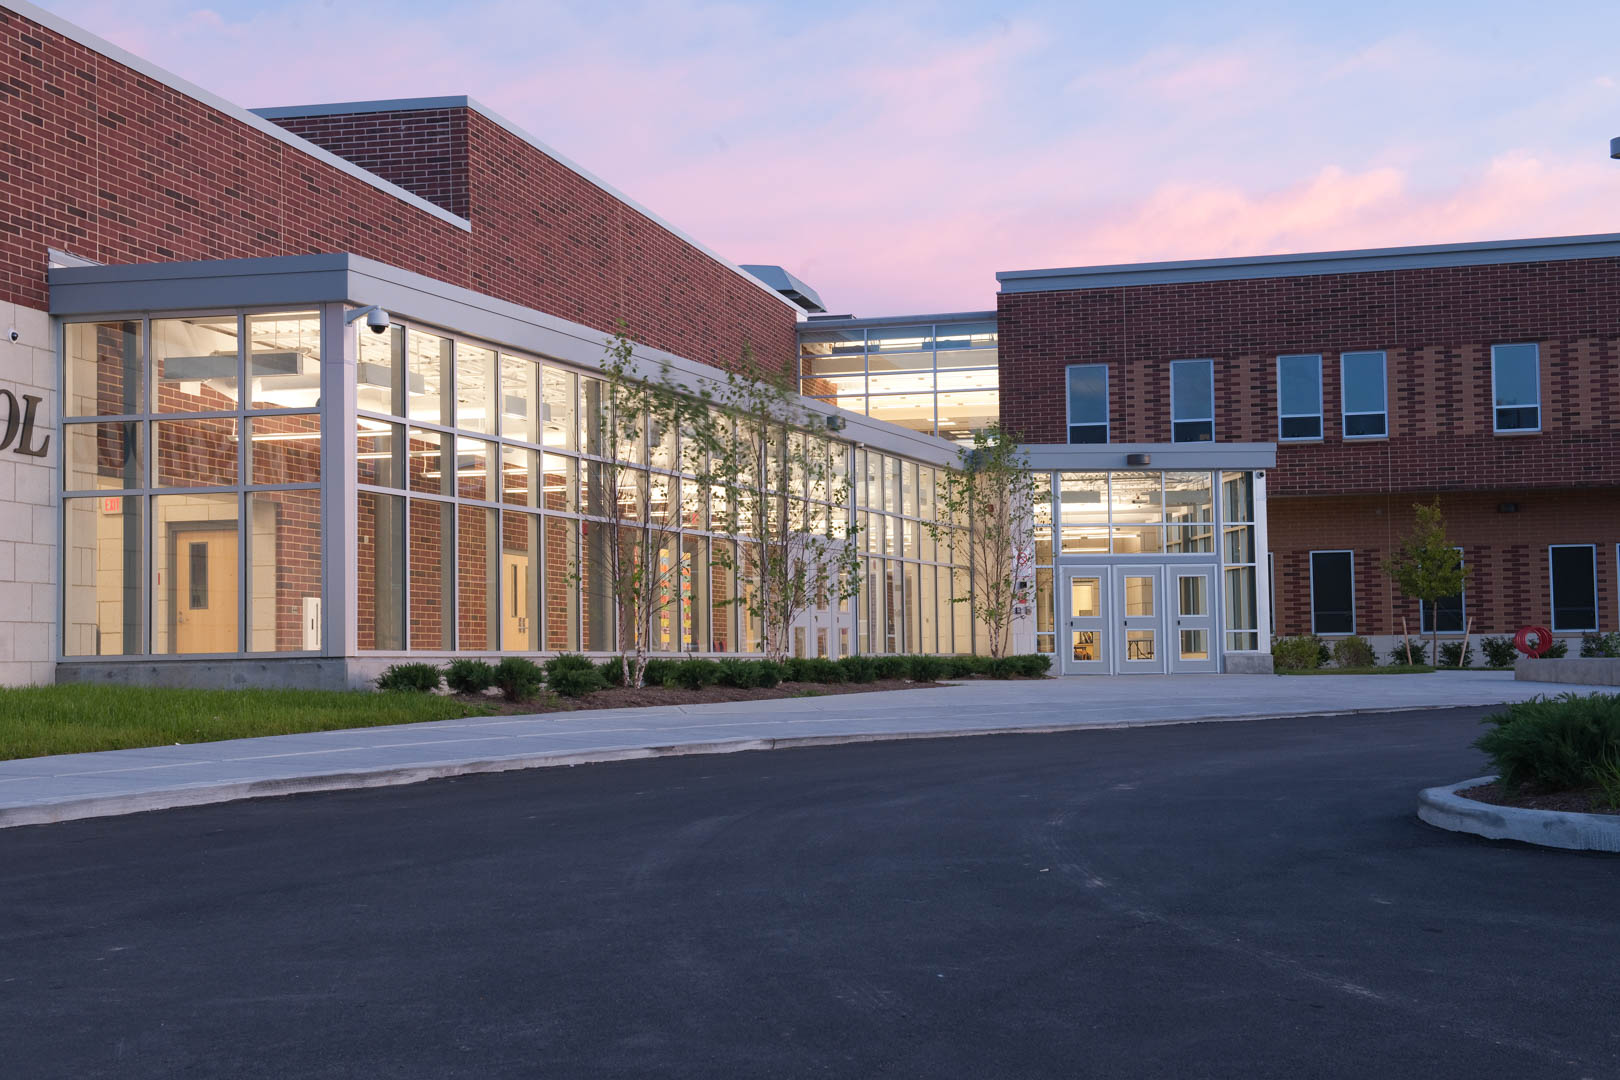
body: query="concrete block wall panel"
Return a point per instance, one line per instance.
(29, 526)
(1507, 552)
(1437, 326)
(107, 163)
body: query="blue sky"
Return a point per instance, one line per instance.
(897, 155)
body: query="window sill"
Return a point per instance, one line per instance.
(1518, 431)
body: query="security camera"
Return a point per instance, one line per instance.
(376, 318)
(13, 336)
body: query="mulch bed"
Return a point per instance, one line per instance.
(1529, 798)
(620, 697)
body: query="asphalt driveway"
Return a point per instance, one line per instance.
(1223, 900)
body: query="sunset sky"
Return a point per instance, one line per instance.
(897, 155)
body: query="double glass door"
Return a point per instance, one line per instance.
(1136, 619)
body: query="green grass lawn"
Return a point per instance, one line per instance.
(71, 719)
(1402, 669)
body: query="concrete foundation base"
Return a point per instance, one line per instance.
(1593, 671)
(1249, 663)
(290, 674)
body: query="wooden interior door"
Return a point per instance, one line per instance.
(205, 590)
(517, 631)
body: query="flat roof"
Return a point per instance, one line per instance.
(1366, 260)
(849, 322)
(462, 101)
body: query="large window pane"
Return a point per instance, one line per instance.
(379, 450)
(103, 369)
(1237, 496)
(722, 575)
(557, 408)
(1299, 396)
(1192, 401)
(103, 456)
(284, 571)
(561, 585)
(1083, 498)
(1136, 498)
(1242, 610)
(1188, 496)
(195, 364)
(596, 588)
(475, 388)
(1088, 403)
(101, 608)
(427, 377)
(521, 562)
(380, 372)
(478, 567)
(476, 469)
(520, 399)
(429, 456)
(900, 348)
(1516, 386)
(432, 601)
(380, 584)
(284, 360)
(1333, 592)
(195, 453)
(914, 411)
(1574, 587)
(961, 413)
(1365, 395)
(196, 597)
(284, 449)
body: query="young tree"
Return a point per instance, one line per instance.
(1426, 566)
(782, 487)
(991, 493)
(644, 420)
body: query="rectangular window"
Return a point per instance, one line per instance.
(1333, 592)
(1365, 394)
(1299, 396)
(1573, 572)
(1088, 403)
(1192, 401)
(1516, 387)
(1448, 612)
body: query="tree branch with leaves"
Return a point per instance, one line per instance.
(1427, 567)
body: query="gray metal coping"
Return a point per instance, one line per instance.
(1312, 263)
(1443, 808)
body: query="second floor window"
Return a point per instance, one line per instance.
(1088, 403)
(1362, 386)
(1192, 401)
(1299, 396)
(1516, 387)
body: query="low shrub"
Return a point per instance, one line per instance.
(1559, 649)
(695, 674)
(1566, 743)
(1022, 666)
(742, 674)
(1499, 651)
(1354, 651)
(1036, 665)
(927, 668)
(1420, 651)
(419, 678)
(612, 670)
(768, 672)
(814, 669)
(1453, 654)
(659, 672)
(1600, 644)
(1301, 653)
(892, 667)
(858, 669)
(966, 666)
(568, 674)
(519, 677)
(469, 676)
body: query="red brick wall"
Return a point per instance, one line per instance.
(1507, 553)
(1437, 326)
(102, 162)
(424, 151)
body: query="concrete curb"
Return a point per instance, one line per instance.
(1443, 808)
(203, 794)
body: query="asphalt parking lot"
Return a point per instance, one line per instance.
(1250, 899)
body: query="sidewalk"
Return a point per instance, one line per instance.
(39, 790)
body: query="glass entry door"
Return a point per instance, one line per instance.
(1083, 633)
(1192, 640)
(1139, 599)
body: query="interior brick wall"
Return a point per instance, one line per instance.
(105, 163)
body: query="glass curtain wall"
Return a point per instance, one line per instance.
(937, 378)
(191, 485)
